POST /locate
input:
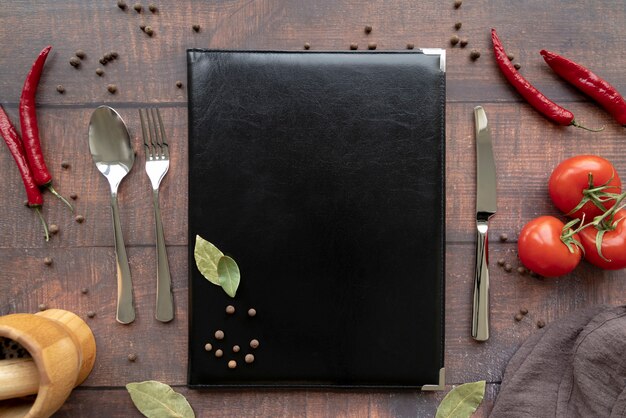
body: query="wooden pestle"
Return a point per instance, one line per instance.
(63, 352)
(18, 377)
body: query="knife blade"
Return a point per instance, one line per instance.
(485, 208)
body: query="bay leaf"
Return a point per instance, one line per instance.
(229, 275)
(462, 401)
(207, 256)
(157, 400)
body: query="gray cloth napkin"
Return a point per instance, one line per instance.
(575, 367)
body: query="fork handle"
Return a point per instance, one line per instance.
(125, 309)
(164, 298)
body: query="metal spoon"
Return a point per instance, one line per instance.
(109, 143)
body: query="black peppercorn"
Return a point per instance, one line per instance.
(152, 8)
(523, 311)
(354, 46)
(522, 270)
(519, 317)
(371, 45)
(454, 39)
(307, 45)
(541, 324)
(53, 229)
(103, 61)
(99, 71)
(410, 45)
(196, 28)
(132, 357)
(47, 261)
(504, 237)
(517, 66)
(114, 55)
(80, 54)
(179, 84)
(142, 27)
(91, 314)
(508, 268)
(75, 62)
(60, 88)
(84, 290)
(463, 43)
(65, 164)
(501, 262)
(108, 56)
(510, 56)
(368, 29)
(474, 54)
(458, 25)
(121, 4)
(42, 306)
(149, 31)
(138, 7)
(112, 88)
(73, 196)
(80, 219)
(457, 3)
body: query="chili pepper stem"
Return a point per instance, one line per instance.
(43, 222)
(64, 200)
(578, 125)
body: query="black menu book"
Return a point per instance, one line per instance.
(322, 175)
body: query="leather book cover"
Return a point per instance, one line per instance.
(322, 175)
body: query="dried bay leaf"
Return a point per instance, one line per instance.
(157, 400)
(462, 401)
(229, 275)
(207, 256)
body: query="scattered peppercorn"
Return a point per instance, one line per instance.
(132, 357)
(142, 27)
(219, 334)
(108, 56)
(307, 45)
(91, 314)
(103, 61)
(99, 71)
(236, 348)
(60, 88)
(219, 353)
(84, 290)
(371, 45)
(53, 229)
(508, 268)
(112, 88)
(368, 29)
(121, 4)
(457, 3)
(249, 358)
(523, 311)
(80, 54)
(80, 219)
(232, 364)
(541, 324)
(510, 56)
(354, 46)
(230, 309)
(65, 165)
(454, 39)
(137, 7)
(196, 28)
(501, 262)
(410, 45)
(75, 62)
(149, 31)
(179, 84)
(519, 317)
(208, 347)
(463, 43)
(26, 202)
(73, 196)
(504, 237)
(47, 261)
(251, 312)
(254, 343)
(475, 54)
(458, 25)
(522, 270)
(43, 307)
(152, 8)
(517, 66)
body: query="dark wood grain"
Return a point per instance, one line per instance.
(527, 148)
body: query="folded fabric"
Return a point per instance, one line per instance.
(576, 367)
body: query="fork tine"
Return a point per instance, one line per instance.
(164, 145)
(145, 130)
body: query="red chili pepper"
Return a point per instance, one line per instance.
(13, 141)
(30, 129)
(28, 121)
(534, 97)
(589, 83)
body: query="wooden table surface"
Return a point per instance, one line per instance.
(527, 147)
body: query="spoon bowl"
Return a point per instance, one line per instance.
(109, 143)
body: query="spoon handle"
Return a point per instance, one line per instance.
(125, 309)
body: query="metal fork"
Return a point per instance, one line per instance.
(157, 164)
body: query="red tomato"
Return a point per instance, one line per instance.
(541, 250)
(571, 177)
(613, 244)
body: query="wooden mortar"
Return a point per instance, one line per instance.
(63, 352)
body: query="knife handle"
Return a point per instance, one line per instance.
(480, 310)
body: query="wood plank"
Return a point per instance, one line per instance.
(275, 403)
(527, 148)
(148, 68)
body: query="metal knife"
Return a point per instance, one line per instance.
(485, 209)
